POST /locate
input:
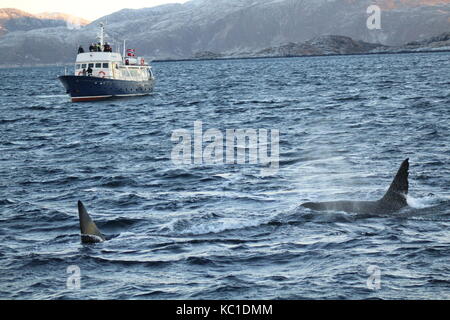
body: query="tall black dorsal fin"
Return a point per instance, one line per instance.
(398, 190)
(89, 231)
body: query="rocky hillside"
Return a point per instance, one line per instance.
(230, 27)
(12, 20)
(439, 42)
(71, 21)
(324, 45)
(333, 45)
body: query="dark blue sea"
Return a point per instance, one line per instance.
(227, 231)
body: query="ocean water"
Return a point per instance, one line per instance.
(228, 231)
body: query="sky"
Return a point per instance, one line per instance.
(87, 9)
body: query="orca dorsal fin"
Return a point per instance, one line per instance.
(396, 195)
(89, 231)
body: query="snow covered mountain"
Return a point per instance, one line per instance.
(70, 20)
(230, 26)
(12, 20)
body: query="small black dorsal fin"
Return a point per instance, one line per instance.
(399, 188)
(89, 231)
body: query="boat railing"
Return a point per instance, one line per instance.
(95, 76)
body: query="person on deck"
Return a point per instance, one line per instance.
(99, 47)
(89, 71)
(107, 47)
(91, 48)
(80, 49)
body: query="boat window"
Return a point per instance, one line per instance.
(83, 66)
(106, 65)
(98, 65)
(91, 65)
(78, 66)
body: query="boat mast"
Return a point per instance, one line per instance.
(102, 34)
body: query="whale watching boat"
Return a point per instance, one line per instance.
(101, 74)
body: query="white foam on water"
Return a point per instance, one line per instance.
(220, 226)
(421, 203)
(52, 96)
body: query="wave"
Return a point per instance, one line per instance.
(178, 174)
(7, 121)
(220, 226)
(51, 96)
(117, 182)
(118, 224)
(131, 262)
(200, 261)
(4, 202)
(422, 203)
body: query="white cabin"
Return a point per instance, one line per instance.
(111, 65)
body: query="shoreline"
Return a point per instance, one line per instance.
(301, 56)
(62, 64)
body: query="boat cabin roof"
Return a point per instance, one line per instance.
(99, 56)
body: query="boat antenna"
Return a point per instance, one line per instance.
(102, 33)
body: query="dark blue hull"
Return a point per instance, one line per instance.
(82, 88)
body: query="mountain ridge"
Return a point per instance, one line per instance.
(333, 45)
(180, 31)
(12, 20)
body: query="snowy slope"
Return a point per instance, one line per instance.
(227, 26)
